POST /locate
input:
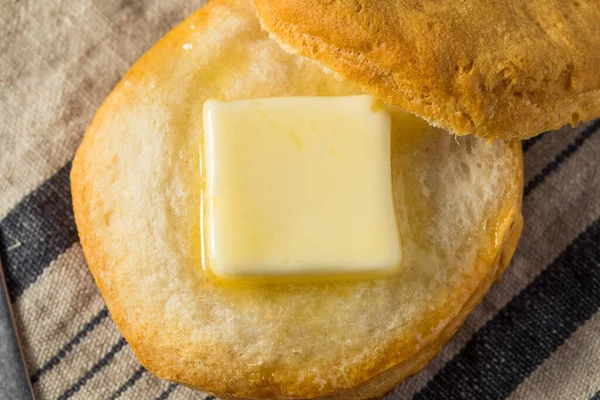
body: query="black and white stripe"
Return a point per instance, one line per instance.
(569, 151)
(525, 332)
(97, 367)
(70, 345)
(167, 392)
(527, 144)
(128, 383)
(36, 231)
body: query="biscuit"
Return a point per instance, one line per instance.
(498, 69)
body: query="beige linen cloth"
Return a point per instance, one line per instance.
(535, 336)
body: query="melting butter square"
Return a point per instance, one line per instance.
(298, 187)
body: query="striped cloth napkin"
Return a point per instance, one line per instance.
(535, 336)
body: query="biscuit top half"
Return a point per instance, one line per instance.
(498, 69)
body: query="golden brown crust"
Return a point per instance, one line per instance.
(135, 184)
(498, 69)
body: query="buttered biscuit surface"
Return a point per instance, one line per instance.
(136, 194)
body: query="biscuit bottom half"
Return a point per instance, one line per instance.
(136, 192)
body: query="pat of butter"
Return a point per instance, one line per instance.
(298, 187)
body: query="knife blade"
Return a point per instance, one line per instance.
(14, 378)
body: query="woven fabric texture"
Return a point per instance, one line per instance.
(535, 336)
